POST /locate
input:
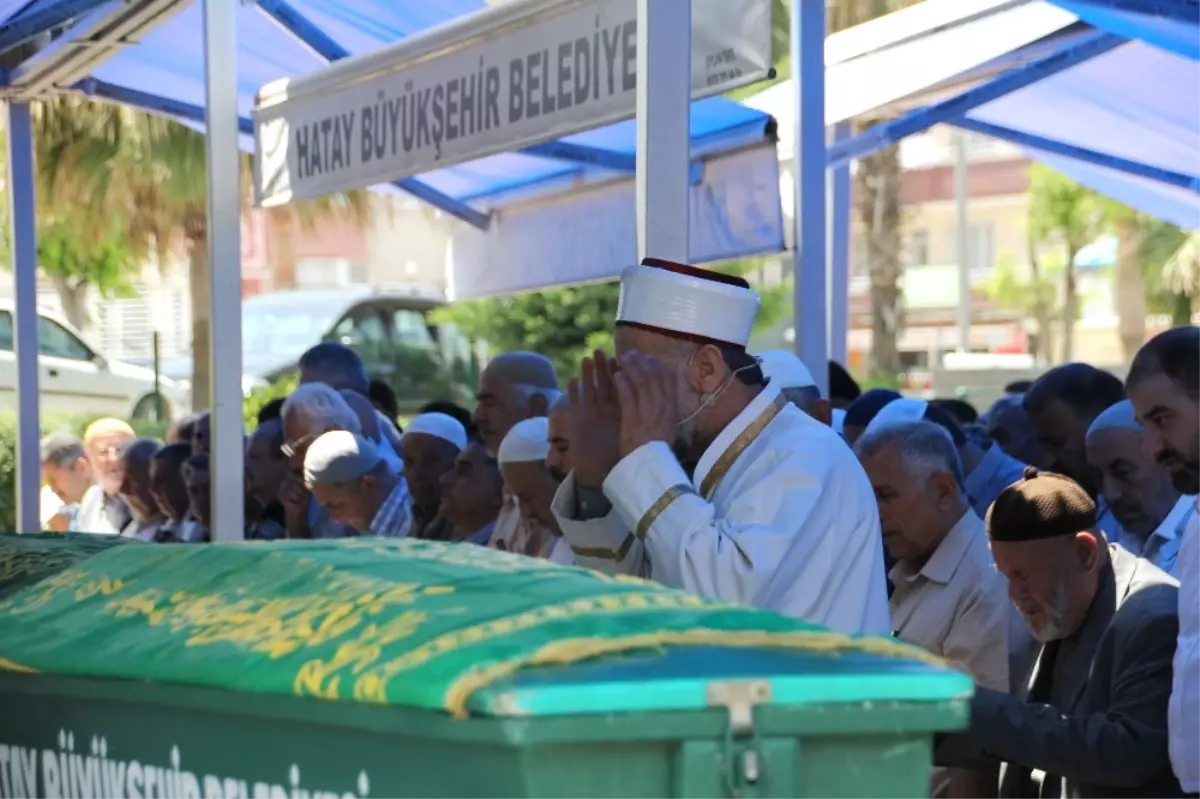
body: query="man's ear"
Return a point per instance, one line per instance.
(1087, 548)
(708, 369)
(820, 410)
(945, 488)
(537, 406)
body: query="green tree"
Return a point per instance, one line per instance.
(1066, 216)
(107, 167)
(1032, 293)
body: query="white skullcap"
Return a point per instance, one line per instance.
(339, 457)
(528, 440)
(1119, 416)
(785, 369)
(905, 409)
(838, 421)
(440, 425)
(675, 298)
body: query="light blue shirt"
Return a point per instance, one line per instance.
(994, 473)
(1162, 547)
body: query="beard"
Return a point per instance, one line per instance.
(1184, 471)
(1052, 622)
(687, 433)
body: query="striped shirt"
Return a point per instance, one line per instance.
(394, 517)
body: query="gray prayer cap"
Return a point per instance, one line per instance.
(338, 457)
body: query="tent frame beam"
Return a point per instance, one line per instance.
(29, 26)
(880, 136)
(1174, 10)
(1055, 147)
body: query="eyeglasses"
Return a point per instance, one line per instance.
(290, 448)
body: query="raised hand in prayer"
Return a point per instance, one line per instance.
(296, 500)
(647, 393)
(595, 420)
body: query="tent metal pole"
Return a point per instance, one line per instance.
(23, 234)
(224, 269)
(810, 262)
(664, 88)
(839, 252)
(962, 229)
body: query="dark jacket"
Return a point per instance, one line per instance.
(1093, 715)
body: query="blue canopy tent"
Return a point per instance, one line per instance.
(149, 54)
(1103, 90)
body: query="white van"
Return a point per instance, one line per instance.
(74, 378)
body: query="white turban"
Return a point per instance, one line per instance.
(338, 457)
(785, 369)
(527, 441)
(440, 425)
(905, 409)
(1119, 416)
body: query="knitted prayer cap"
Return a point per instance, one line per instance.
(1040, 505)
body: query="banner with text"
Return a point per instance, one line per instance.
(557, 73)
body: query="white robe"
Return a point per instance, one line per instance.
(779, 515)
(1183, 713)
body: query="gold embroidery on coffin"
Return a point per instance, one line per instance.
(745, 439)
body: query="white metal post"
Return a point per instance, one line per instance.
(224, 269)
(839, 252)
(808, 80)
(23, 235)
(961, 243)
(664, 83)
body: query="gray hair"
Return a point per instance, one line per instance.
(61, 449)
(320, 408)
(924, 446)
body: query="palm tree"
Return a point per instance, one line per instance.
(146, 175)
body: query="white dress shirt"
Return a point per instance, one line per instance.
(779, 515)
(1183, 716)
(1162, 546)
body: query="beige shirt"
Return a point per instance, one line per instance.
(527, 536)
(957, 605)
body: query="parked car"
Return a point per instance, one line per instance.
(389, 327)
(75, 378)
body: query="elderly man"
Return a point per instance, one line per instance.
(558, 429)
(1007, 424)
(1061, 405)
(149, 523)
(522, 458)
(66, 471)
(514, 386)
(430, 444)
(341, 368)
(987, 471)
(1164, 387)
(948, 599)
(356, 486)
(101, 510)
(1151, 511)
(311, 410)
(796, 382)
(691, 470)
(1094, 718)
(472, 494)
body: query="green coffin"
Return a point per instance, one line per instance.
(407, 668)
(25, 559)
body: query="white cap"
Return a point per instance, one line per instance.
(675, 298)
(785, 369)
(440, 425)
(339, 456)
(528, 440)
(905, 409)
(1119, 416)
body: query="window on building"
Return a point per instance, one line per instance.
(918, 248)
(979, 247)
(58, 342)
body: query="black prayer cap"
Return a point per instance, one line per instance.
(1040, 505)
